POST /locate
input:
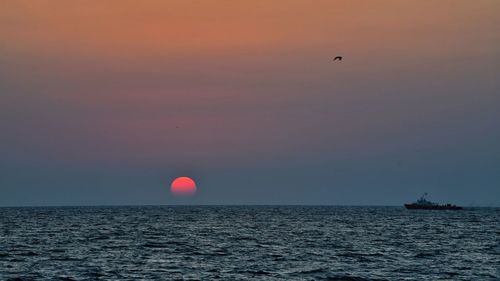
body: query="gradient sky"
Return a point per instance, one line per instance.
(105, 102)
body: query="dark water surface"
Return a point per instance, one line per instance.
(257, 243)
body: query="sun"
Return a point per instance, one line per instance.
(183, 186)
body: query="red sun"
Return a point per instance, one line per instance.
(183, 186)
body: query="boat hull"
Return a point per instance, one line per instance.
(432, 207)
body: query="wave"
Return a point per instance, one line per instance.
(347, 278)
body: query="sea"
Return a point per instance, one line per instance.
(248, 243)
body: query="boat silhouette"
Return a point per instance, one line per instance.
(424, 204)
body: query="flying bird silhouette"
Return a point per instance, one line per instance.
(339, 58)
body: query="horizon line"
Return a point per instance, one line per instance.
(219, 205)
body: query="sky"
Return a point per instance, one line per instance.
(106, 102)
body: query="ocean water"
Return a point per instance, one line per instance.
(248, 243)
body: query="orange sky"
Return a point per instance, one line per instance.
(244, 88)
(194, 28)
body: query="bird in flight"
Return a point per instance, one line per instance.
(339, 58)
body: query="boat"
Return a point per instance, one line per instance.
(424, 204)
